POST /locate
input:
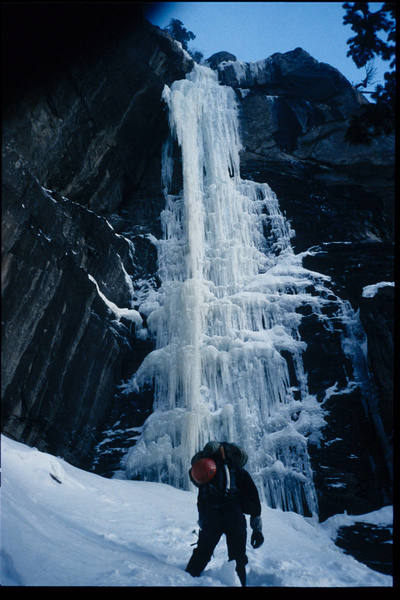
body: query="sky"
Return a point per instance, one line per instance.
(254, 30)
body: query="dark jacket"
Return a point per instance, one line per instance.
(227, 489)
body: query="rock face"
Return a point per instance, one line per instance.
(340, 200)
(81, 191)
(220, 57)
(82, 199)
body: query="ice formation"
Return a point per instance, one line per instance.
(224, 322)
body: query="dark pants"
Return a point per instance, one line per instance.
(214, 523)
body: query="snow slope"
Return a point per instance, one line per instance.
(62, 526)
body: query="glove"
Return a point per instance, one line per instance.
(257, 539)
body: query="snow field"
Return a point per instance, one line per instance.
(92, 531)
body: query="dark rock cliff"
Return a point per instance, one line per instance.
(82, 139)
(81, 168)
(339, 197)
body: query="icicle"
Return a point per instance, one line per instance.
(226, 312)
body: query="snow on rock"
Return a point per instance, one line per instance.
(380, 518)
(127, 313)
(369, 291)
(62, 526)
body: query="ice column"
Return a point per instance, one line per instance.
(227, 363)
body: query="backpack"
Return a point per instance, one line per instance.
(236, 458)
(234, 453)
(245, 491)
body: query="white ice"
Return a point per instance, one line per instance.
(225, 320)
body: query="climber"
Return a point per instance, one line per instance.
(226, 493)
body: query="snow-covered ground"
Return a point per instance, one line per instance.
(62, 526)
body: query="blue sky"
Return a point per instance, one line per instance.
(254, 30)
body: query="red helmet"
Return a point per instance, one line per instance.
(203, 470)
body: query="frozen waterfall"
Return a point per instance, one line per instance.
(227, 363)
